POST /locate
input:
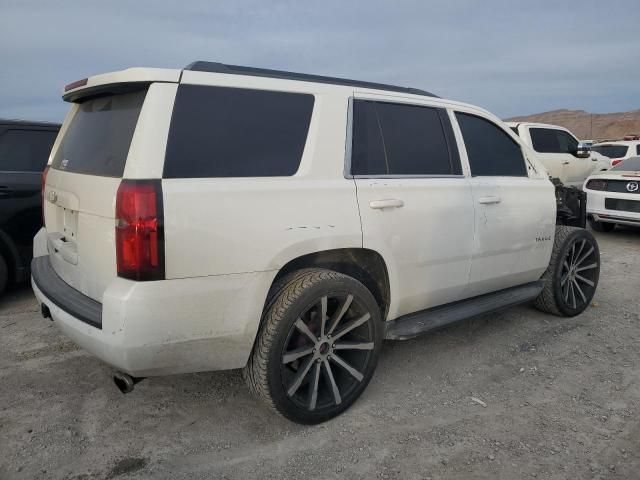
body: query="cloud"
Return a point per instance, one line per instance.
(508, 57)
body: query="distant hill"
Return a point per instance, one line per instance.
(587, 125)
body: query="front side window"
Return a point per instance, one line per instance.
(491, 151)
(400, 139)
(568, 144)
(638, 149)
(25, 150)
(236, 132)
(551, 140)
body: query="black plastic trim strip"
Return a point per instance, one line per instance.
(63, 295)
(415, 324)
(215, 67)
(452, 145)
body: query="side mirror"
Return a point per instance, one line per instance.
(583, 150)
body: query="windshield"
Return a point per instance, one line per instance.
(629, 165)
(611, 151)
(98, 138)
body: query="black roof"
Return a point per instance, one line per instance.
(214, 67)
(28, 123)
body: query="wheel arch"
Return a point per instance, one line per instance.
(365, 265)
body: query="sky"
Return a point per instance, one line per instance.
(512, 58)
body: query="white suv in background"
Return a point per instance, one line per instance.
(561, 152)
(223, 217)
(618, 151)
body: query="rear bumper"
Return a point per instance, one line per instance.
(76, 304)
(165, 327)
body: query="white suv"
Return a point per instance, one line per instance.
(618, 151)
(562, 154)
(222, 217)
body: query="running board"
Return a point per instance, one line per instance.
(414, 324)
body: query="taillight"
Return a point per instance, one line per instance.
(140, 230)
(616, 161)
(597, 184)
(44, 182)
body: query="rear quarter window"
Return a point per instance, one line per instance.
(235, 132)
(611, 151)
(98, 138)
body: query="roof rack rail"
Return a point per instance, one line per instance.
(215, 67)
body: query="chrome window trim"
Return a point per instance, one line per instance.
(405, 176)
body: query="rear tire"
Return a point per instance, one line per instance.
(571, 279)
(309, 369)
(4, 274)
(602, 226)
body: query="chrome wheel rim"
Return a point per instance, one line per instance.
(579, 274)
(327, 352)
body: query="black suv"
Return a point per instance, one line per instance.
(24, 151)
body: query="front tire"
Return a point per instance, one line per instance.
(602, 226)
(571, 279)
(317, 347)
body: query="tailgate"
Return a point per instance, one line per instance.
(81, 185)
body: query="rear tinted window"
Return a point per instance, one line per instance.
(234, 132)
(611, 151)
(25, 150)
(395, 139)
(551, 140)
(99, 135)
(491, 151)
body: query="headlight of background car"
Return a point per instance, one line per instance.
(597, 184)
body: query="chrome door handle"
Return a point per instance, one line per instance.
(387, 203)
(489, 200)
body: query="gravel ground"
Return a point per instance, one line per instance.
(560, 399)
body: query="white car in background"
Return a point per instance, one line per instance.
(561, 153)
(619, 150)
(613, 197)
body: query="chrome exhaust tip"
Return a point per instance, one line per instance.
(125, 382)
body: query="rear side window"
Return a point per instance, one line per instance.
(396, 139)
(99, 136)
(25, 150)
(234, 132)
(551, 140)
(491, 151)
(638, 149)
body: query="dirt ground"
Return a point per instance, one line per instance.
(562, 401)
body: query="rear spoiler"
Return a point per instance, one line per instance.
(117, 82)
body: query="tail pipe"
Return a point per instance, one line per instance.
(125, 382)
